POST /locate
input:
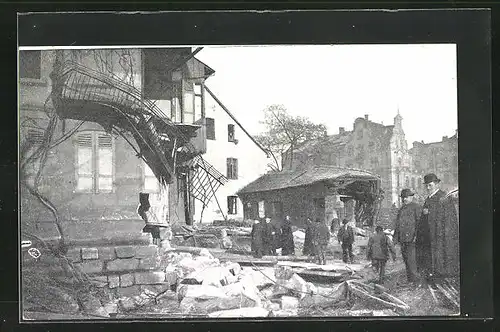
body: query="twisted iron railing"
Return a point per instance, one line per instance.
(143, 119)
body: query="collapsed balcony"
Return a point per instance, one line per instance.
(81, 93)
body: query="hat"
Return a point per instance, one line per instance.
(431, 178)
(406, 193)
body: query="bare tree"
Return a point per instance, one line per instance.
(284, 132)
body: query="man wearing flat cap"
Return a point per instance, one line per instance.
(430, 232)
(405, 232)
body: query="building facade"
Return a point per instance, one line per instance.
(119, 121)
(440, 158)
(236, 154)
(381, 149)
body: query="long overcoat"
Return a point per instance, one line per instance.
(257, 238)
(451, 239)
(436, 223)
(287, 244)
(308, 244)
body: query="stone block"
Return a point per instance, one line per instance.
(147, 263)
(125, 252)
(74, 255)
(129, 291)
(146, 251)
(289, 303)
(127, 304)
(113, 281)
(91, 267)
(149, 278)
(90, 253)
(126, 280)
(107, 253)
(125, 264)
(111, 307)
(100, 281)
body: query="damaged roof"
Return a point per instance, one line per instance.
(288, 179)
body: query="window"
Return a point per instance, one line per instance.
(232, 168)
(413, 182)
(230, 133)
(232, 205)
(407, 182)
(151, 184)
(198, 102)
(371, 145)
(262, 209)
(30, 64)
(94, 157)
(350, 151)
(360, 134)
(419, 184)
(210, 126)
(374, 161)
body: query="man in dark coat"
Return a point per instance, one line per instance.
(379, 247)
(320, 239)
(345, 236)
(271, 234)
(287, 245)
(405, 232)
(308, 246)
(432, 224)
(257, 239)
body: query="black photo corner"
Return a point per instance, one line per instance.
(471, 30)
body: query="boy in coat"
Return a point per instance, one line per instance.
(379, 246)
(321, 237)
(345, 236)
(405, 232)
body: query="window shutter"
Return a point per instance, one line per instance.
(105, 141)
(228, 168)
(35, 136)
(235, 168)
(85, 140)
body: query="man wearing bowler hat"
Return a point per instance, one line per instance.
(405, 232)
(430, 235)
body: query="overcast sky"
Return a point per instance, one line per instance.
(338, 83)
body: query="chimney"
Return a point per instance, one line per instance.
(341, 130)
(366, 117)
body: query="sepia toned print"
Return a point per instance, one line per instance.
(237, 181)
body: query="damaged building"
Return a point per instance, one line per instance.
(106, 125)
(316, 192)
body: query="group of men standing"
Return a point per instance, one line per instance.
(428, 234)
(267, 237)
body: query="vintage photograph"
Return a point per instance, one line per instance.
(238, 181)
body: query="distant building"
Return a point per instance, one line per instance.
(236, 154)
(381, 149)
(440, 158)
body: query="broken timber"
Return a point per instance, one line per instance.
(375, 295)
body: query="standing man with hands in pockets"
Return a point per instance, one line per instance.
(405, 232)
